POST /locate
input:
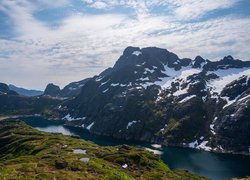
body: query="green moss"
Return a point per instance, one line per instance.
(30, 154)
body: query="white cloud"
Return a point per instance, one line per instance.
(182, 9)
(84, 44)
(99, 5)
(193, 9)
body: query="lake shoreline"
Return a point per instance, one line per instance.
(134, 140)
(158, 142)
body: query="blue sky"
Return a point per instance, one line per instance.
(61, 41)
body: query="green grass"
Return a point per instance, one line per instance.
(26, 153)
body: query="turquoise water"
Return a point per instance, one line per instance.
(215, 166)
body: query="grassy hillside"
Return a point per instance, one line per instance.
(26, 153)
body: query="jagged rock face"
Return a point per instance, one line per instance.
(234, 127)
(52, 90)
(152, 95)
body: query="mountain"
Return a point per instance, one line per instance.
(25, 92)
(52, 90)
(5, 90)
(11, 103)
(152, 95)
(70, 90)
(27, 153)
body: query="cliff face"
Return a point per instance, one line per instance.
(152, 95)
(26, 153)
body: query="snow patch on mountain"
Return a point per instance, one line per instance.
(144, 79)
(139, 65)
(181, 91)
(69, 118)
(104, 83)
(114, 84)
(201, 146)
(99, 78)
(187, 98)
(212, 129)
(105, 90)
(226, 76)
(149, 70)
(137, 53)
(244, 98)
(229, 102)
(90, 126)
(131, 123)
(72, 88)
(123, 85)
(176, 75)
(193, 144)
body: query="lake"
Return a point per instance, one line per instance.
(215, 166)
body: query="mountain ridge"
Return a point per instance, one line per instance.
(24, 91)
(152, 95)
(69, 91)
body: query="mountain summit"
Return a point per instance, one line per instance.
(153, 95)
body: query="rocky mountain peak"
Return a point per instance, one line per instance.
(198, 61)
(52, 90)
(229, 57)
(4, 90)
(150, 56)
(130, 50)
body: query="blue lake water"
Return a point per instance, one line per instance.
(215, 166)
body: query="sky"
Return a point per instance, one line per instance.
(62, 41)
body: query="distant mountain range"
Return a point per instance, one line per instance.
(152, 95)
(5, 90)
(25, 92)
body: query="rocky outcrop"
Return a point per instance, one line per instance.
(52, 90)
